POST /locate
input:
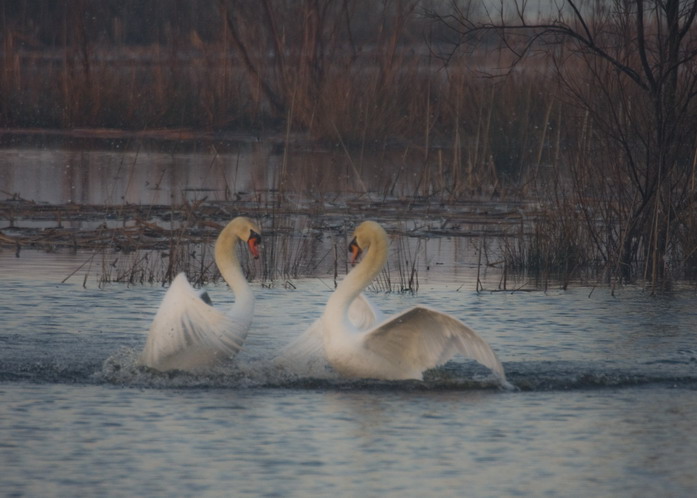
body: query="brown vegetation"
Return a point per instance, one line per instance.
(630, 70)
(590, 112)
(152, 243)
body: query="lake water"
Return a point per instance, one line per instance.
(607, 384)
(114, 172)
(606, 403)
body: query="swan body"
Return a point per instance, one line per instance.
(402, 346)
(188, 333)
(306, 356)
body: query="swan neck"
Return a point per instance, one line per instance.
(229, 265)
(358, 279)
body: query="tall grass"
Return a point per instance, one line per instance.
(358, 73)
(362, 78)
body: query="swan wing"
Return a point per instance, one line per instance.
(305, 356)
(363, 314)
(188, 333)
(421, 338)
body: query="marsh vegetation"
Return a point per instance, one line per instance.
(583, 114)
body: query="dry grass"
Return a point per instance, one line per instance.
(361, 78)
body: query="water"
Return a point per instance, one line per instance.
(607, 385)
(606, 406)
(133, 172)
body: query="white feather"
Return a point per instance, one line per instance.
(402, 346)
(423, 338)
(305, 354)
(190, 334)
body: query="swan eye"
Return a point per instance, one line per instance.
(355, 250)
(253, 243)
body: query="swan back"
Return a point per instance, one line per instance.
(305, 355)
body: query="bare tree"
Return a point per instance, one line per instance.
(629, 66)
(284, 47)
(298, 55)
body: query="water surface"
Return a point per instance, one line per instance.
(607, 384)
(606, 402)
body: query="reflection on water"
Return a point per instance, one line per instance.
(126, 202)
(144, 175)
(291, 249)
(107, 177)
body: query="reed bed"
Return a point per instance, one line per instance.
(411, 130)
(151, 244)
(361, 74)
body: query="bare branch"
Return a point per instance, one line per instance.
(247, 61)
(580, 19)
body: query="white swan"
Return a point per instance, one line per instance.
(305, 354)
(188, 333)
(399, 347)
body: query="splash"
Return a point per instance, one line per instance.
(121, 368)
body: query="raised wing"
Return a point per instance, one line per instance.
(421, 338)
(189, 334)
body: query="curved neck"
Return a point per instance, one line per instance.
(358, 278)
(229, 266)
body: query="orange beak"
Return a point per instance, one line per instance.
(253, 243)
(355, 251)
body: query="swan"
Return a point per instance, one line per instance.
(188, 333)
(305, 354)
(398, 347)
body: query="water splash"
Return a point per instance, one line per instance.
(122, 369)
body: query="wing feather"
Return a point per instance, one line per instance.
(304, 356)
(188, 333)
(423, 338)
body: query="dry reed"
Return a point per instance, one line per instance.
(357, 77)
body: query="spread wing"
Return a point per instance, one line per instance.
(424, 338)
(188, 333)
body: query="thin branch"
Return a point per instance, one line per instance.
(247, 61)
(542, 31)
(641, 38)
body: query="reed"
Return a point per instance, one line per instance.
(401, 273)
(320, 78)
(289, 249)
(549, 246)
(358, 77)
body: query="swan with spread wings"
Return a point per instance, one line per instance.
(358, 341)
(188, 333)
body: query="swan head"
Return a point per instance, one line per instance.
(253, 243)
(243, 229)
(366, 234)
